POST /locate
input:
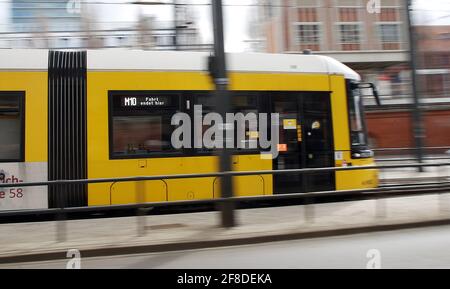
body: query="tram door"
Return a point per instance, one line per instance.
(306, 141)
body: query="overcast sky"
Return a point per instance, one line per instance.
(432, 12)
(237, 15)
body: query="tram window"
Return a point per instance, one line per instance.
(11, 126)
(356, 116)
(141, 124)
(248, 106)
(207, 103)
(244, 103)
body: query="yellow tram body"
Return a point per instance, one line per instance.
(33, 82)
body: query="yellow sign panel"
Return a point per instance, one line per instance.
(282, 147)
(290, 123)
(299, 133)
(253, 134)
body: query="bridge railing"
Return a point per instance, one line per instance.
(441, 184)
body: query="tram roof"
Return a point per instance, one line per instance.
(120, 59)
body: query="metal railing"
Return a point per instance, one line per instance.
(442, 184)
(412, 149)
(407, 154)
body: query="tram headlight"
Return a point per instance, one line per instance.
(363, 154)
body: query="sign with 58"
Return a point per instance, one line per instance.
(23, 197)
(11, 193)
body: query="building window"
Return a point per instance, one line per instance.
(141, 123)
(389, 33)
(350, 37)
(350, 33)
(308, 34)
(11, 127)
(389, 36)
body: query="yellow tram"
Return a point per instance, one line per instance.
(67, 115)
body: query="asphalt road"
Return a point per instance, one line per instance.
(416, 248)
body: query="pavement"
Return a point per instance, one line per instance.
(426, 248)
(24, 242)
(408, 175)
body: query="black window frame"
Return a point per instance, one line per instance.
(21, 110)
(184, 96)
(131, 93)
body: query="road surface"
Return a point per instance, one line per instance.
(415, 248)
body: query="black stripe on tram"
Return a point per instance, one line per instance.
(67, 133)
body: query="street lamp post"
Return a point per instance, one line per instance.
(418, 130)
(223, 104)
(175, 24)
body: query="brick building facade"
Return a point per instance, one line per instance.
(375, 44)
(393, 129)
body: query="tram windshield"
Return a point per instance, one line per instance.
(358, 133)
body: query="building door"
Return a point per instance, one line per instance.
(306, 141)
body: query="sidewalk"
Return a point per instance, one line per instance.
(409, 175)
(111, 236)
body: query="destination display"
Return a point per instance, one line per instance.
(144, 101)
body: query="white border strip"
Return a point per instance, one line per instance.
(24, 59)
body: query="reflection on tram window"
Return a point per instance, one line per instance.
(141, 135)
(207, 103)
(287, 107)
(141, 124)
(247, 126)
(10, 128)
(248, 106)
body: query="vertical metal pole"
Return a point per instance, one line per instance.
(140, 199)
(418, 130)
(380, 207)
(175, 23)
(61, 225)
(309, 210)
(223, 104)
(441, 196)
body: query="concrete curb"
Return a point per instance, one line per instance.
(402, 179)
(140, 249)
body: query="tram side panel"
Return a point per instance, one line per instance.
(115, 131)
(27, 108)
(23, 146)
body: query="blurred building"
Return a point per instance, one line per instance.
(433, 54)
(373, 42)
(55, 15)
(72, 24)
(36, 23)
(434, 60)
